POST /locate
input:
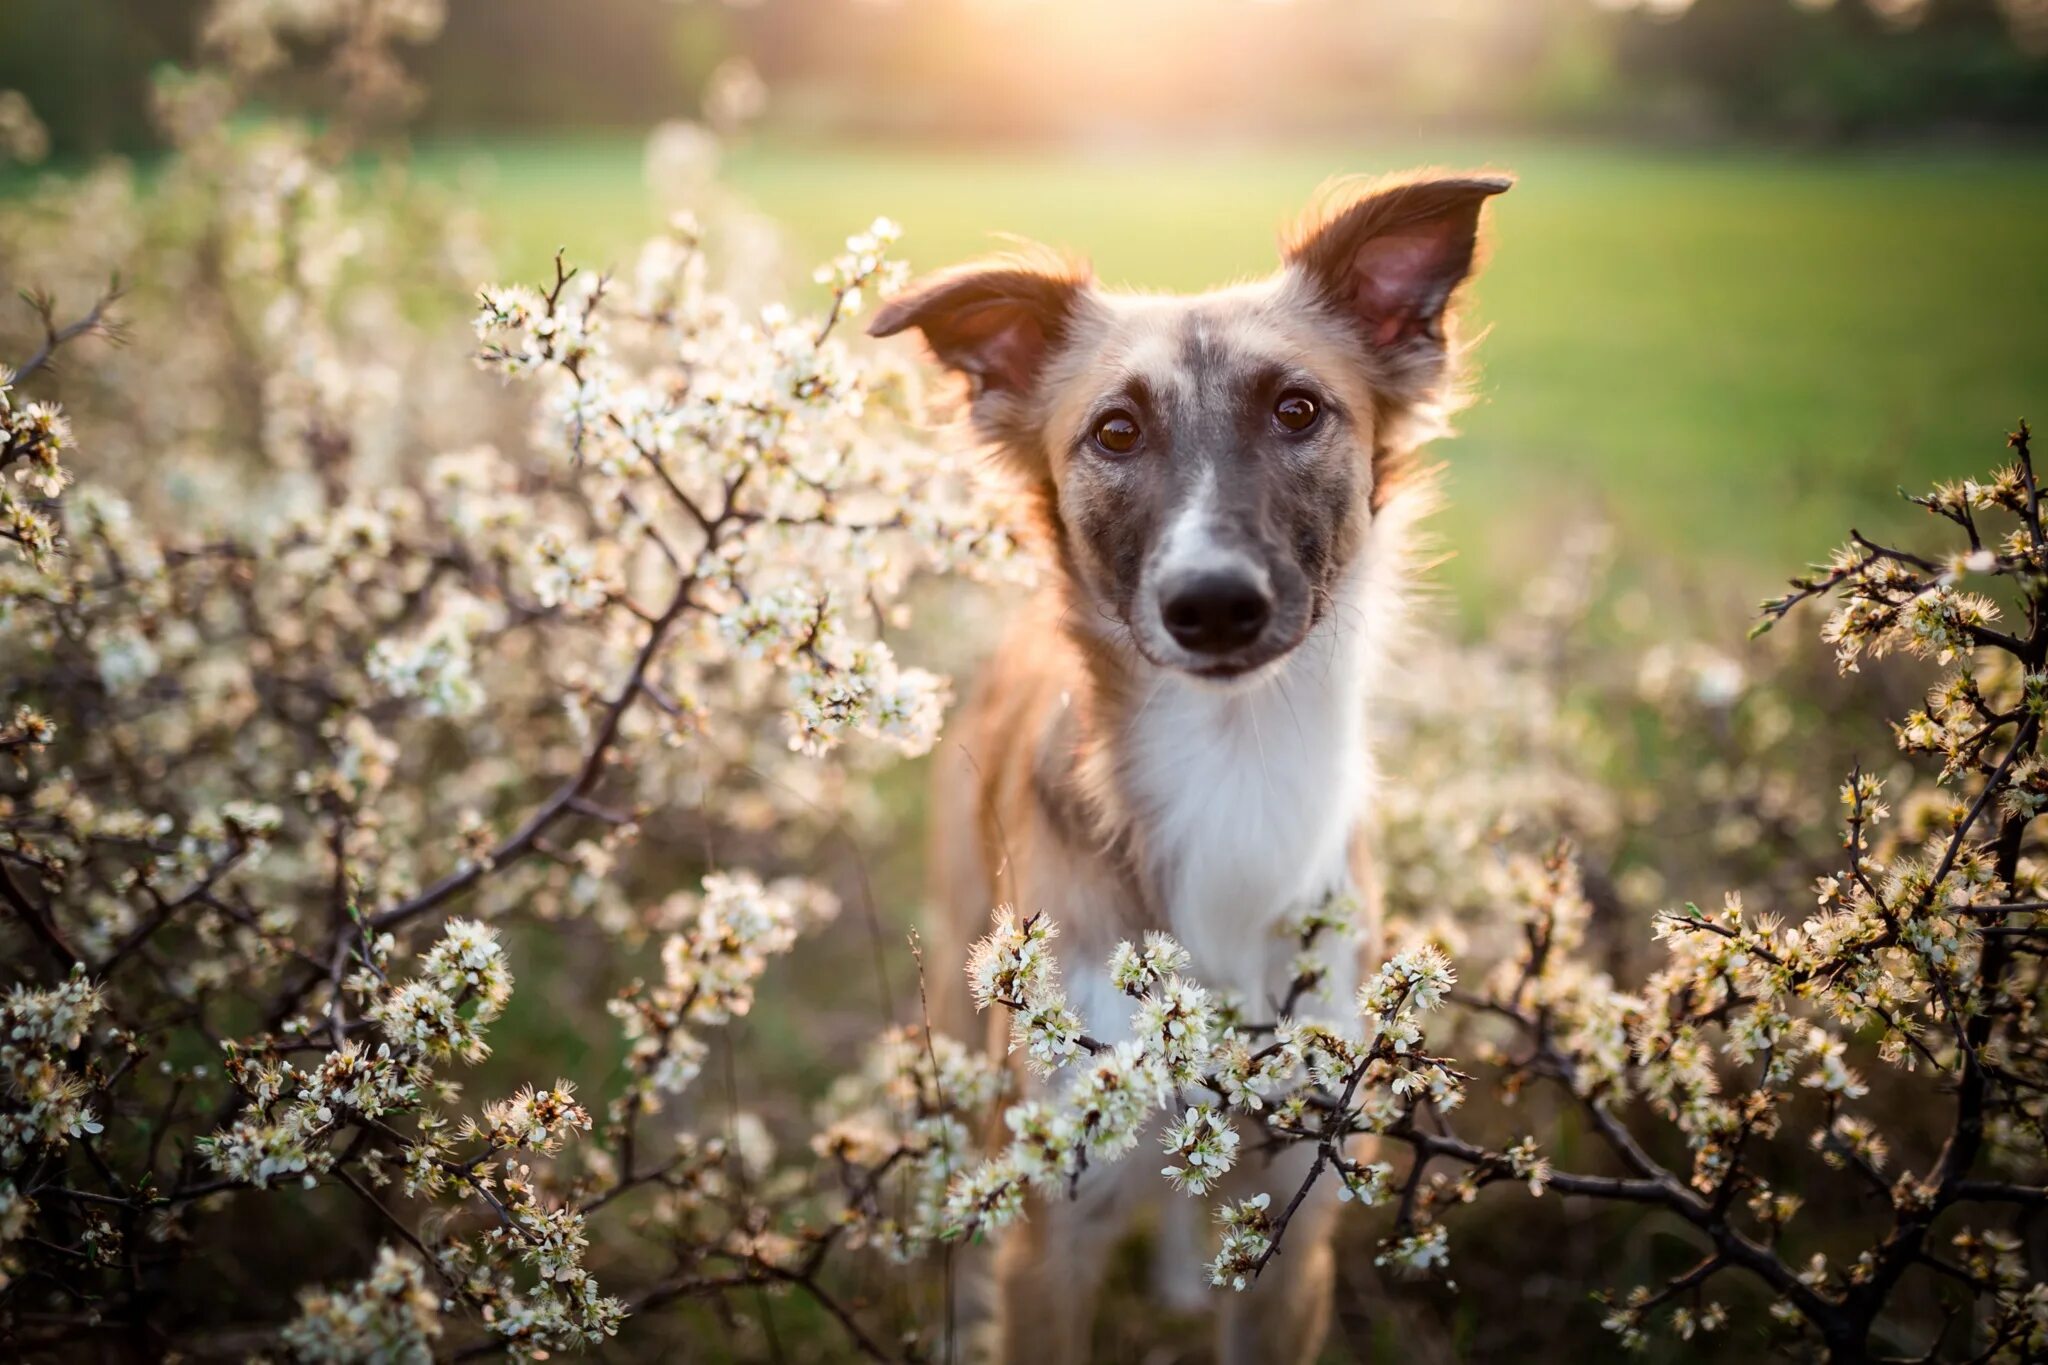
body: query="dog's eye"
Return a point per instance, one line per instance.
(1118, 433)
(1296, 412)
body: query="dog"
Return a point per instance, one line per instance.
(1174, 736)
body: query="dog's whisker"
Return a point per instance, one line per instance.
(1259, 742)
(1158, 686)
(1288, 697)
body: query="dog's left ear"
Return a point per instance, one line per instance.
(996, 324)
(1388, 256)
(993, 323)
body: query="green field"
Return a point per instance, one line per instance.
(1731, 354)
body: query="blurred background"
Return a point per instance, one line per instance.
(1781, 249)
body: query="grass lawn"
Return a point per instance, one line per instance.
(1733, 354)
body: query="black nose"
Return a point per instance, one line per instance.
(1212, 612)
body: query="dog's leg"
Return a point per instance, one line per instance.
(1180, 1256)
(1282, 1317)
(1048, 1269)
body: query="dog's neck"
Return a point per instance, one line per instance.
(1235, 808)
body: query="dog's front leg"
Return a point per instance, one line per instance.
(1048, 1270)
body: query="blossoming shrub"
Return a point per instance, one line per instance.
(374, 692)
(329, 657)
(1726, 1087)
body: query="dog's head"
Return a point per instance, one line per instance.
(1210, 464)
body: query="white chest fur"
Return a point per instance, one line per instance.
(1249, 797)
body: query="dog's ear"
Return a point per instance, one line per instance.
(1388, 255)
(995, 323)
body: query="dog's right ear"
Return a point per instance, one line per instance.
(996, 324)
(1388, 255)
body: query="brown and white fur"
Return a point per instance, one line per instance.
(1175, 736)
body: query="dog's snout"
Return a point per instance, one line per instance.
(1214, 612)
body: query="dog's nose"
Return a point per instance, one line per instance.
(1214, 612)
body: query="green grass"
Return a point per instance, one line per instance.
(1732, 354)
